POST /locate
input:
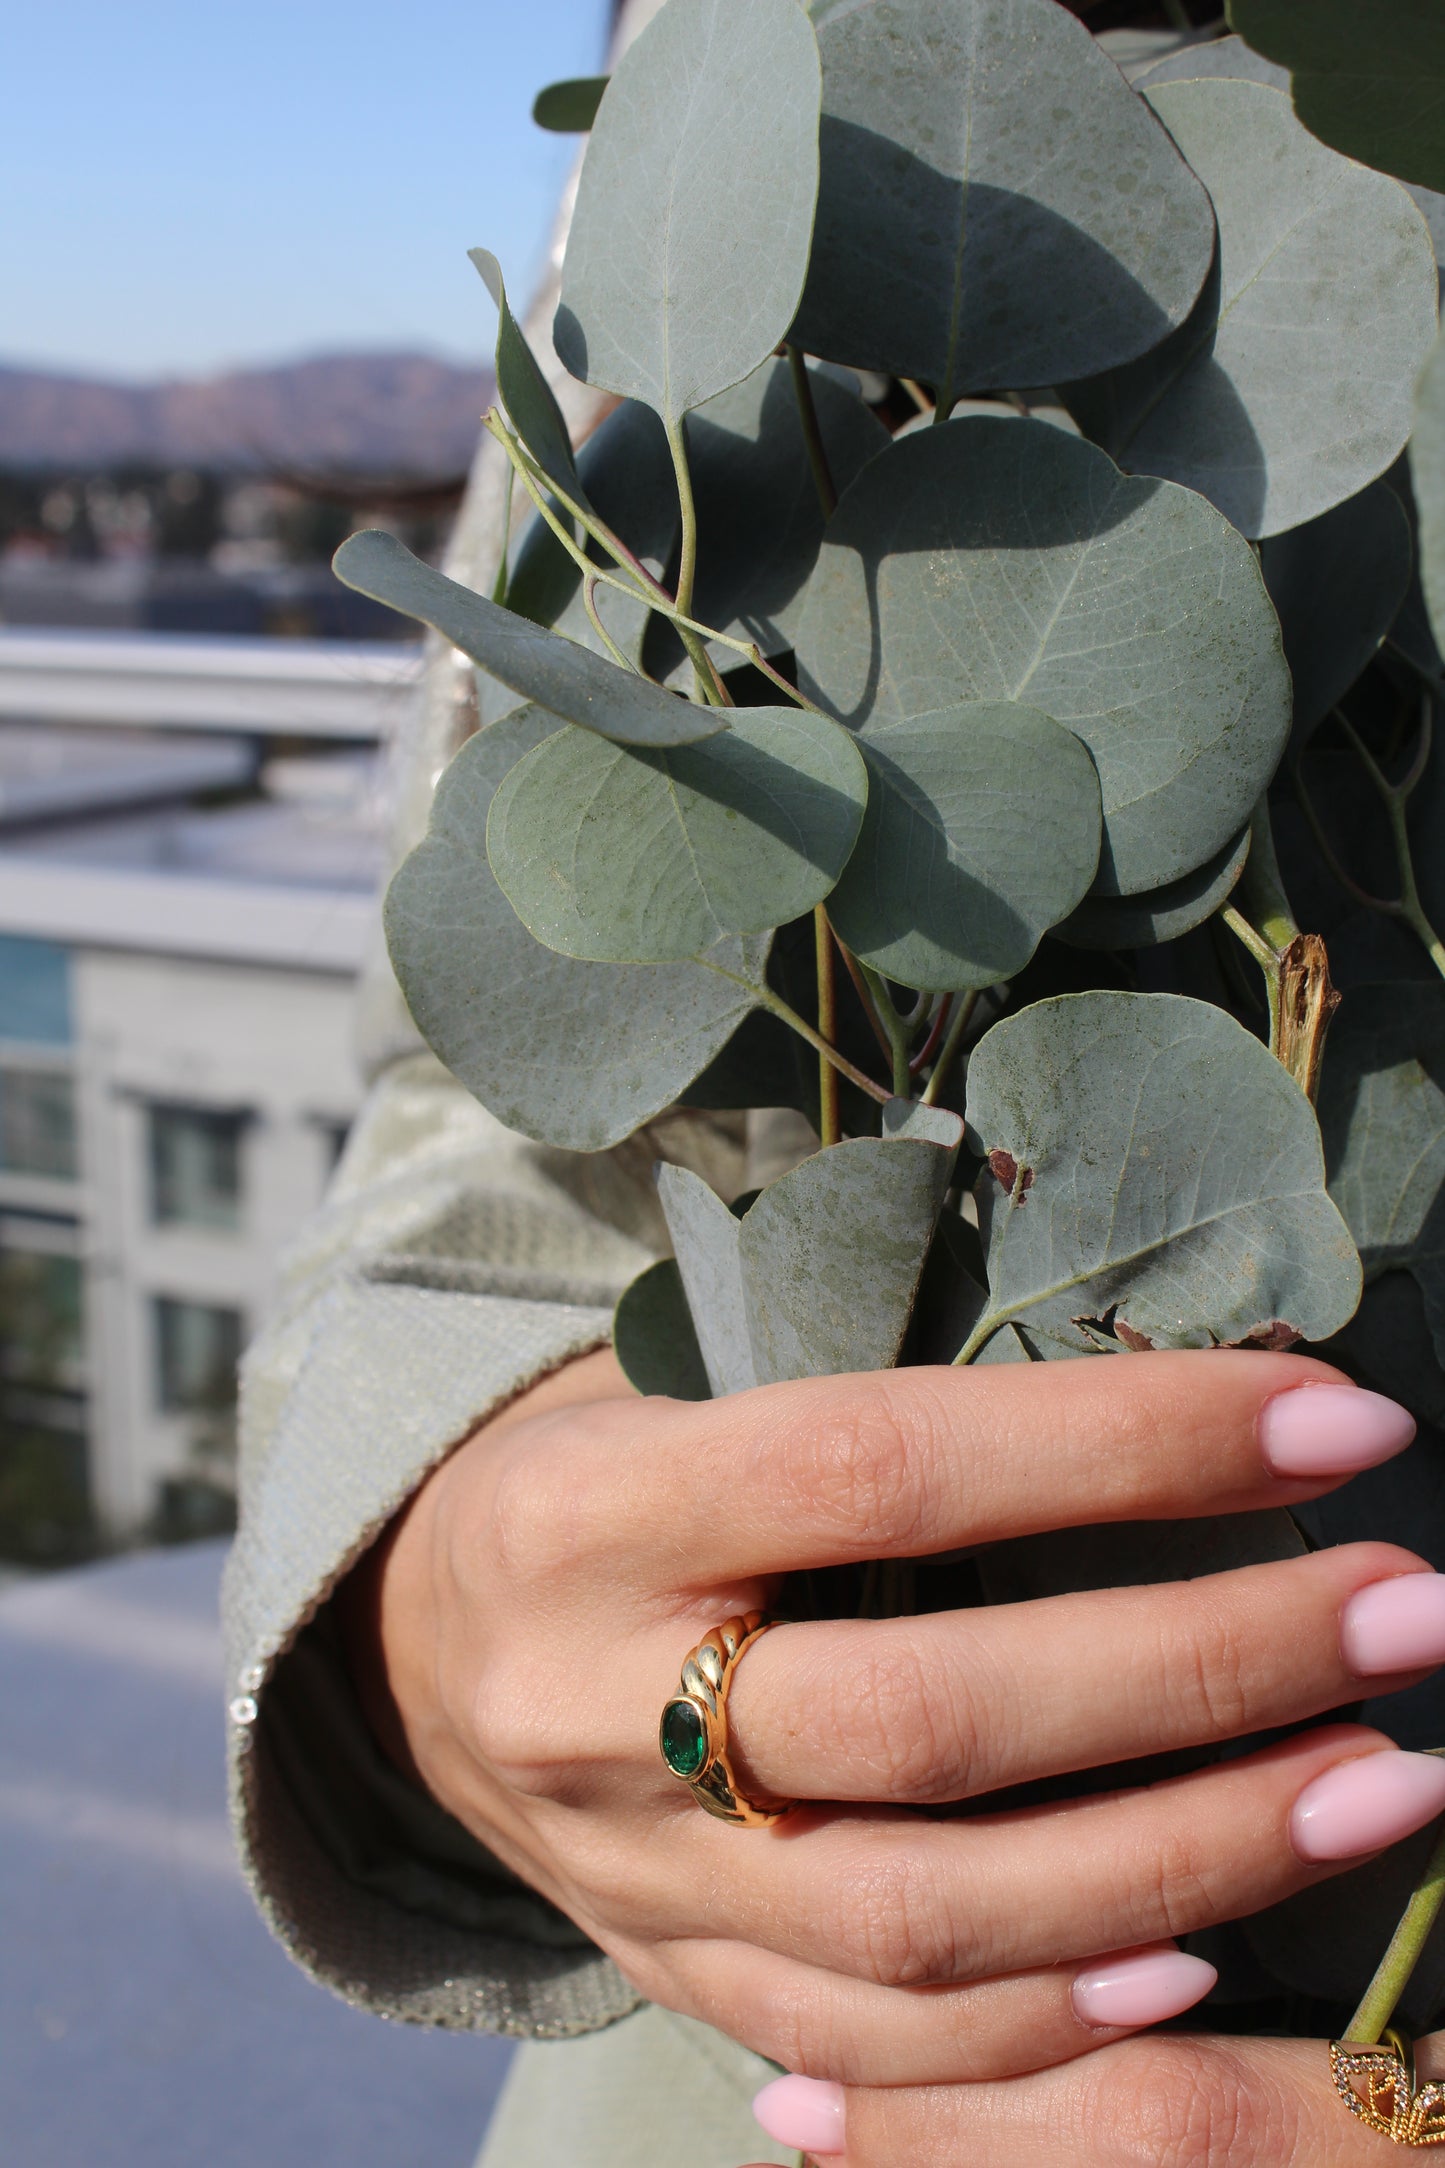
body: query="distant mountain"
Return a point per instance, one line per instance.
(369, 413)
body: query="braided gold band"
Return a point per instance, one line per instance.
(693, 1734)
(1389, 2101)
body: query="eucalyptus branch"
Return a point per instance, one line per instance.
(893, 1025)
(860, 987)
(936, 1030)
(948, 1053)
(589, 603)
(760, 661)
(828, 1122)
(499, 584)
(812, 432)
(1396, 800)
(1407, 1944)
(1266, 955)
(776, 1006)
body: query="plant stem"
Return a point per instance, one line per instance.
(936, 1030)
(828, 1125)
(499, 584)
(812, 432)
(917, 394)
(948, 1053)
(687, 565)
(760, 661)
(1406, 1946)
(1261, 886)
(860, 987)
(589, 603)
(776, 1006)
(893, 1025)
(1266, 956)
(1396, 798)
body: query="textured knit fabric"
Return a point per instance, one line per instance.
(657, 2092)
(454, 1265)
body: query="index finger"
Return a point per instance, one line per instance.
(906, 1463)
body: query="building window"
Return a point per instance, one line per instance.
(195, 1166)
(37, 1123)
(198, 1346)
(34, 991)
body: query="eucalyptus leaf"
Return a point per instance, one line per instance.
(690, 237)
(1427, 480)
(982, 831)
(569, 107)
(1290, 386)
(622, 855)
(625, 471)
(1161, 914)
(1136, 52)
(1144, 1152)
(995, 208)
(1337, 584)
(1382, 1112)
(557, 674)
(989, 561)
(653, 1336)
(522, 387)
(1229, 57)
(575, 1055)
(1370, 81)
(759, 519)
(819, 1275)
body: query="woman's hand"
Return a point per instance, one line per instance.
(532, 1608)
(1175, 2100)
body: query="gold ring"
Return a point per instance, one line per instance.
(1390, 2102)
(693, 1734)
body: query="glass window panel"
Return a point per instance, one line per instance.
(34, 991)
(37, 1123)
(40, 1319)
(198, 1346)
(195, 1157)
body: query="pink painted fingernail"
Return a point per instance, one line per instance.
(1395, 1625)
(1362, 1806)
(1325, 1430)
(805, 2112)
(1141, 1988)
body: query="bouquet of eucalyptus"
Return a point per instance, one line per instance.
(977, 688)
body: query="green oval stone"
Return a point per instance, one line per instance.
(684, 1738)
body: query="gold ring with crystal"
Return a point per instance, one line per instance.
(1388, 2100)
(693, 1733)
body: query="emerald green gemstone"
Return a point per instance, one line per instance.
(684, 1739)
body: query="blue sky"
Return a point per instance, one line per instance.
(194, 183)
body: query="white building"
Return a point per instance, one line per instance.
(190, 850)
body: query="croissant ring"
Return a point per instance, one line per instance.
(693, 1734)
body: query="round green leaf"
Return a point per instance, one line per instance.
(689, 242)
(654, 1339)
(995, 207)
(1370, 81)
(642, 857)
(558, 674)
(569, 107)
(1290, 386)
(1118, 922)
(1382, 1111)
(1010, 561)
(759, 520)
(982, 831)
(521, 385)
(1229, 57)
(1149, 1161)
(1337, 584)
(1427, 480)
(576, 1055)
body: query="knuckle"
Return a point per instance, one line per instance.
(893, 1926)
(863, 1468)
(1199, 2109)
(1180, 1885)
(1220, 1679)
(512, 1729)
(910, 1729)
(537, 1518)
